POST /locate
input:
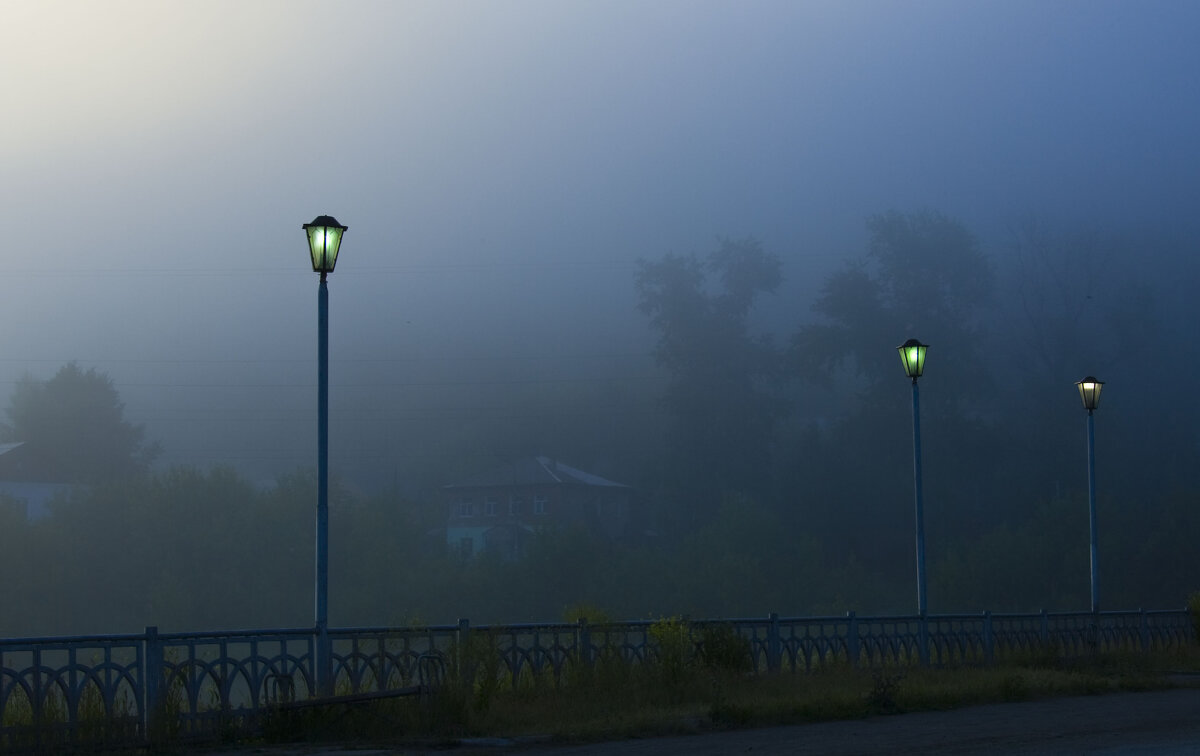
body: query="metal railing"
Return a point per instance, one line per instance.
(149, 686)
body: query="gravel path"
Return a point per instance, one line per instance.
(1150, 723)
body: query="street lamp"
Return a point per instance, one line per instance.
(912, 354)
(1089, 392)
(324, 240)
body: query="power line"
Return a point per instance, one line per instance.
(422, 359)
(238, 272)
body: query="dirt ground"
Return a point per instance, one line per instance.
(1156, 722)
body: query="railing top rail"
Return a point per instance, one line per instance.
(1180, 612)
(234, 635)
(529, 627)
(392, 630)
(72, 640)
(65, 641)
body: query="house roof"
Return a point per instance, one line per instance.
(533, 471)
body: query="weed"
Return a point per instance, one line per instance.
(585, 611)
(722, 649)
(1193, 606)
(730, 714)
(486, 666)
(884, 689)
(674, 650)
(1014, 687)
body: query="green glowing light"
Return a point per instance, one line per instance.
(324, 239)
(912, 354)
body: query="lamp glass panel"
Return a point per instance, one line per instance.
(316, 245)
(914, 359)
(323, 242)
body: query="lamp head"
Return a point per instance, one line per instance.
(324, 239)
(1089, 392)
(912, 354)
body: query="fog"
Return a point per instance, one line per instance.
(504, 167)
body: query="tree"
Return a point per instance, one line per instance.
(73, 429)
(720, 408)
(1097, 300)
(1075, 300)
(923, 277)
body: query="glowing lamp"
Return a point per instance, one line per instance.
(324, 238)
(1089, 392)
(912, 353)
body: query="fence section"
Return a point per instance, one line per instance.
(123, 688)
(55, 690)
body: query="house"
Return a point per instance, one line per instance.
(21, 491)
(498, 511)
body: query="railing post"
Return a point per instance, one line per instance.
(774, 653)
(852, 645)
(924, 640)
(73, 681)
(585, 642)
(1145, 630)
(152, 680)
(39, 698)
(989, 639)
(465, 675)
(323, 661)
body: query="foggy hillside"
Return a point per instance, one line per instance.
(539, 196)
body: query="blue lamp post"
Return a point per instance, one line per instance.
(324, 240)
(1089, 392)
(912, 354)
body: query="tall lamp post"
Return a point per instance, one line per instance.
(1089, 392)
(912, 354)
(324, 239)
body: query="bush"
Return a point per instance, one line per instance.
(480, 670)
(1193, 605)
(722, 649)
(585, 611)
(674, 649)
(884, 689)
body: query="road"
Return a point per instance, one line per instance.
(1153, 723)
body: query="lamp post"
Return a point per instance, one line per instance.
(912, 354)
(1089, 392)
(324, 239)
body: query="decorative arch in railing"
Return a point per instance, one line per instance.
(51, 688)
(54, 689)
(959, 640)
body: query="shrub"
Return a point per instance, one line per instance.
(1194, 609)
(674, 649)
(884, 689)
(722, 649)
(480, 668)
(585, 611)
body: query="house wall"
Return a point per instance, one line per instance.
(471, 512)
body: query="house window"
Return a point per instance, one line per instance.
(464, 508)
(514, 505)
(489, 506)
(539, 505)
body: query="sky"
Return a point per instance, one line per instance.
(502, 167)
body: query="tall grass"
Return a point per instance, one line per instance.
(94, 723)
(695, 677)
(702, 678)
